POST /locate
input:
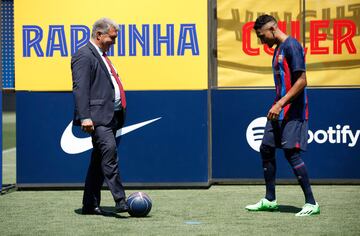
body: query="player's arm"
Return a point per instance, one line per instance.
(296, 89)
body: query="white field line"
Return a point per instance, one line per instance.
(10, 150)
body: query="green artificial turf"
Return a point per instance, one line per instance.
(9, 130)
(9, 151)
(216, 211)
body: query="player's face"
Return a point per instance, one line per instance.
(107, 39)
(266, 34)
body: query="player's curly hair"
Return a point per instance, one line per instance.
(262, 20)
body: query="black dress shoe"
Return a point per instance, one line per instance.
(121, 206)
(95, 211)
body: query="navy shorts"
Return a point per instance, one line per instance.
(286, 134)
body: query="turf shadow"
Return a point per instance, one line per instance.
(108, 209)
(288, 209)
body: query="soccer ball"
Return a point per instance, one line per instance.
(139, 203)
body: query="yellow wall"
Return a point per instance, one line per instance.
(239, 69)
(53, 73)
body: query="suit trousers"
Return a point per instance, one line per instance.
(104, 164)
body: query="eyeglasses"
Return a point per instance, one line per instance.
(113, 37)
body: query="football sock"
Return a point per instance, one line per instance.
(294, 158)
(269, 166)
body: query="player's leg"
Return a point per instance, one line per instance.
(299, 168)
(294, 141)
(294, 158)
(269, 165)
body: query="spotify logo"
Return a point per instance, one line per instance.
(255, 132)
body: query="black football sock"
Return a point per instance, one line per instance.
(269, 166)
(299, 168)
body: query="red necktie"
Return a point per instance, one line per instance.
(113, 72)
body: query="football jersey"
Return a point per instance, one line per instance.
(289, 58)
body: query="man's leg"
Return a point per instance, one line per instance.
(93, 182)
(105, 141)
(269, 166)
(311, 207)
(294, 158)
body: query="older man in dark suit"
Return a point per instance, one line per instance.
(100, 105)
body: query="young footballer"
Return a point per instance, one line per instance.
(287, 123)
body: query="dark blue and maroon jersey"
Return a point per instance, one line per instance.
(288, 58)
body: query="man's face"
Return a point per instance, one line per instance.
(107, 39)
(266, 34)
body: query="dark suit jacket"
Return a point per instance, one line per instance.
(93, 89)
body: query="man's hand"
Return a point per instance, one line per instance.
(87, 126)
(274, 112)
(297, 88)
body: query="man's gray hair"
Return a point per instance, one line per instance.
(103, 25)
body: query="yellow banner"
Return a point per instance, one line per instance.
(161, 45)
(332, 41)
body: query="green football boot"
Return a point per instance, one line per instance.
(263, 205)
(309, 209)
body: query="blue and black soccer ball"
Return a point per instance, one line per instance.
(140, 204)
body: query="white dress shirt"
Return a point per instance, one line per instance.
(116, 86)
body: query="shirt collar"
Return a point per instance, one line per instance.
(97, 48)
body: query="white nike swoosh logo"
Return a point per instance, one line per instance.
(75, 145)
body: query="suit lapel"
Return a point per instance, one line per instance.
(96, 54)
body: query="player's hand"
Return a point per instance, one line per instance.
(87, 126)
(274, 112)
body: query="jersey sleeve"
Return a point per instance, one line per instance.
(295, 56)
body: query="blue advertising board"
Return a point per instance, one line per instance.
(164, 139)
(238, 116)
